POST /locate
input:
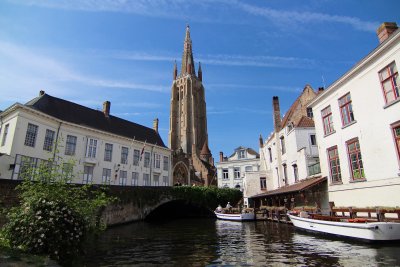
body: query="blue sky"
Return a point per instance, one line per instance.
(90, 51)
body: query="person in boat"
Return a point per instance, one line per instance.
(219, 208)
(229, 206)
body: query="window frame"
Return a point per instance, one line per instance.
(236, 172)
(124, 155)
(157, 161)
(360, 167)
(285, 174)
(106, 176)
(295, 172)
(327, 120)
(91, 148)
(146, 163)
(336, 159)
(313, 141)
(31, 135)
(263, 183)
(346, 110)
(49, 140)
(165, 163)
(135, 179)
(70, 145)
(88, 171)
(108, 149)
(225, 174)
(393, 77)
(123, 177)
(136, 157)
(283, 145)
(5, 133)
(396, 139)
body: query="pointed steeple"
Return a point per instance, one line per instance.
(187, 57)
(200, 73)
(175, 73)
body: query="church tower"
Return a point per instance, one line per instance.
(188, 138)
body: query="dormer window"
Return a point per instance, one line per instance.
(290, 126)
(242, 154)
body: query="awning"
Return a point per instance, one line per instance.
(298, 187)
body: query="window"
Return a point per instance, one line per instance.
(67, 171)
(263, 183)
(108, 152)
(313, 139)
(165, 181)
(346, 109)
(242, 154)
(354, 153)
(390, 82)
(283, 145)
(146, 179)
(270, 154)
(146, 159)
(31, 133)
(334, 165)
(165, 163)
(124, 155)
(24, 167)
(327, 120)
(285, 178)
(225, 174)
(106, 178)
(70, 145)
(236, 172)
(3, 141)
(157, 161)
(135, 178)
(87, 174)
(48, 140)
(156, 180)
(91, 148)
(396, 133)
(310, 113)
(136, 157)
(290, 126)
(123, 176)
(295, 172)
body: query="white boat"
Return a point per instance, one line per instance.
(243, 216)
(356, 228)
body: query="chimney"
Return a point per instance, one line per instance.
(221, 156)
(385, 30)
(41, 92)
(106, 108)
(261, 141)
(320, 89)
(277, 114)
(155, 125)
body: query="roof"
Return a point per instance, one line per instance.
(300, 186)
(305, 122)
(74, 113)
(248, 149)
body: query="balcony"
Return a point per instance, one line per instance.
(314, 169)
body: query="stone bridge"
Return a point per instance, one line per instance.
(146, 203)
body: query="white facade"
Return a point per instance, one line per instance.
(360, 144)
(290, 156)
(28, 136)
(231, 171)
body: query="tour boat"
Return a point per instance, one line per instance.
(358, 228)
(245, 215)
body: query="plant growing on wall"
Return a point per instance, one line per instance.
(54, 216)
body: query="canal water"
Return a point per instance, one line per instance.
(210, 242)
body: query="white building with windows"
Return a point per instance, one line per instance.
(231, 170)
(95, 147)
(289, 160)
(357, 122)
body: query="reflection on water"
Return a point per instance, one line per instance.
(207, 242)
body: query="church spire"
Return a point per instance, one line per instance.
(175, 73)
(187, 57)
(200, 73)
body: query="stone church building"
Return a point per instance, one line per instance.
(192, 161)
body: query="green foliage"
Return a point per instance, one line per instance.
(54, 216)
(209, 197)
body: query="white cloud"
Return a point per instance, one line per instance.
(294, 17)
(180, 9)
